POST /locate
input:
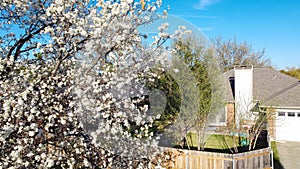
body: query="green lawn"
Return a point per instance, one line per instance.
(277, 164)
(214, 141)
(217, 141)
(275, 151)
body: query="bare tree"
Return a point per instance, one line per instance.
(252, 122)
(232, 52)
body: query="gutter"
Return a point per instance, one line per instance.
(282, 107)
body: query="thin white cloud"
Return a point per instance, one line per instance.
(197, 16)
(205, 3)
(207, 29)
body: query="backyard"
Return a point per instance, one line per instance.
(83, 85)
(222, 143)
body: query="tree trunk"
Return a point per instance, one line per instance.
(199, 140)
(187, 143)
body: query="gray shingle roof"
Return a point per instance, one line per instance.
(270, 87)
(289, 97)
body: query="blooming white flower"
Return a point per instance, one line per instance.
(39, 103)
(63, 121)
(31, 133)
(30, 154)
(43, 156)
(49, 162)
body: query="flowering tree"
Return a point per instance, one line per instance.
(69, 71)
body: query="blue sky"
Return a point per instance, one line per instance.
(270, 24)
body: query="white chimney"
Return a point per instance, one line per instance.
(243, 93)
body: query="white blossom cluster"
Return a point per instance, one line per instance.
(70, 81)
(37, 122)
(40, 126)
(111, 92)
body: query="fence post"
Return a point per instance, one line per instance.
(272, 161)
(187, 160)
(233, 162)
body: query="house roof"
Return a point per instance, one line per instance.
(286, 98)
(270, 87)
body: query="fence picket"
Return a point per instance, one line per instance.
(190, 159)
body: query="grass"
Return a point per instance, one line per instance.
(217, 141)
(214, 141)
(192, 139)
(275, 151)
(277, 164)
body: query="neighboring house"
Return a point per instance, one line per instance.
(247, 87)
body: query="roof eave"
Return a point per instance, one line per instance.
(281, 107)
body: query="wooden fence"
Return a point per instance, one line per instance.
(257, 159)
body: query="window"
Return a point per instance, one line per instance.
(291, 114)
(281, 113)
